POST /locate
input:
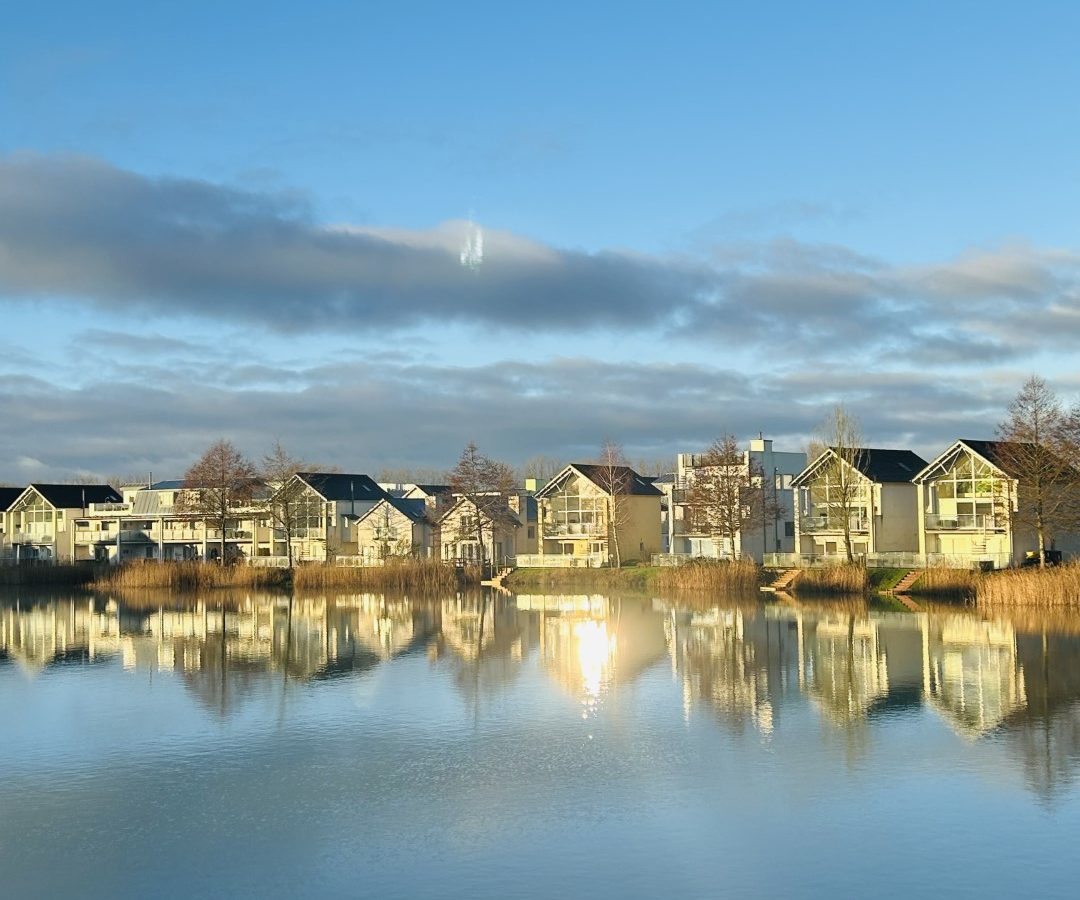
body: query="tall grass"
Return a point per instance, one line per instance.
(1050, 588)
(710, 575)
(953, 584)
(187, 576)
(44, 575)
(421, 575)
(839, 579)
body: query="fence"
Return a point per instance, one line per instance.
(890, 560)
(559, 561)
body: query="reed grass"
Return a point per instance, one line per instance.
(187, 576)
(839, 579)
(948, 583)
(420, 575)
(710, 575)
(1052, 588)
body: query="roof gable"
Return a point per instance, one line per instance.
(881, 466)
(75, 496)
(597, 474)
(413, 510)
(339, 486)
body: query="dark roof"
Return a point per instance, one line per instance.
(9, 495)
(637, 484)
(435, 488)
(175, 485)
(415, 510)
(336, 486)
(889, 465)
(996, 452)
(72, 496)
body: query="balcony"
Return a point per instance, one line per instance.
(832, 523)
(574, 530)
(966, 522)
(109, 508)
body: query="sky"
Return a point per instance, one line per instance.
(245, 221)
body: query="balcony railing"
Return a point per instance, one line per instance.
(966, 522)
(573, 529)
(830, 523)
(559, 561)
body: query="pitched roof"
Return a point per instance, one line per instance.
(173, 485)
(339, 486)
(9, 495)
(415, 510)
(997, 453)
(599, 475)
(74, 496)
(878, 465)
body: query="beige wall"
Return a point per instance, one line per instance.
(896, 519)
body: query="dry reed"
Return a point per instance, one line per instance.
(422, 575)
(839, 579)
(187, 576)
(710, 575)
(1050, 588)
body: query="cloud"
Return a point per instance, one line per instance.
(79, 228)
(368, 416)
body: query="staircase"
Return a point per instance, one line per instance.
(905, 583)
(783, 581)
(496, 580)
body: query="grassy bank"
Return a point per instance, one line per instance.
(825, 580)
(947, 584)
(48, 575)
(698, 575)
(1053, 588)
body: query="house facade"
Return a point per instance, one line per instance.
(967, 498)
(41, 523)
(770, 471)
(874, 488)
(394, 529)
(329, 507)
(574, 509)
(499, 529)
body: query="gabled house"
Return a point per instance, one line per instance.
(500, 527)
(41, 520)
(331, 505)
(876, 490)
(967, 499)
(8, 496)
(393, 528)
(574, 509)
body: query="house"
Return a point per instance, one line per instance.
(874, 487)
(8, 496)
(763, 469)
(967, 499)
(330, 505)
(503, 530)
(393, 528)
(41, 520)
(437, 497)
(574, 510)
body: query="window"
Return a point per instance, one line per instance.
(789, 529)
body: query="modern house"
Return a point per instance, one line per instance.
(576, 525)
(968, 496)
(874, 488)
(331, 505)
(763, 469)
(393, 529)
(41, 521)
(437, 497)
(500, 529)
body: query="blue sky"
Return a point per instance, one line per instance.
(699, 217)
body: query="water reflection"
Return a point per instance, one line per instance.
(748, 665)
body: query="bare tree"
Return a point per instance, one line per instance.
(287, 500)
(616, 479)
(844, 485)
(1040, 447)
(728, 494)
(541, 467)
(486, 484)
(215, 487)
(388, 535)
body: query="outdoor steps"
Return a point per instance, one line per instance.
(783, 581)
(905, 583)
(496, 580)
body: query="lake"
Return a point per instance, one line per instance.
(537, 746)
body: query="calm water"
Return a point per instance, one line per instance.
(357, 746)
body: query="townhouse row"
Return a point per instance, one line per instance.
(892, 506)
